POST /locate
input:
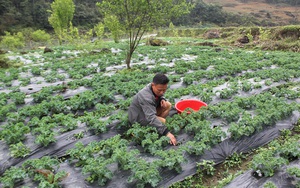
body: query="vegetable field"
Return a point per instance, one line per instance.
(64, 114)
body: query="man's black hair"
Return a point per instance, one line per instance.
(160, 79)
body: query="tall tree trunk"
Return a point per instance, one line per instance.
(128, 58)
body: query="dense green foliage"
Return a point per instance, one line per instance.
(44, 171)
(40, 36)
(34, 14)
(62, 13)
(268, 160)
(15, 15)
(12, 41)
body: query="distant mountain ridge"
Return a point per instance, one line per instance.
(281, 14)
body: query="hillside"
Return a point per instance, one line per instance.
(281, 14)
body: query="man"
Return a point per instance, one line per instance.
(149, 107)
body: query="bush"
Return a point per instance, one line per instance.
(281, 45)
(114, 26)
(40, 36)
(27, 31)
(3, 62)
(6, 63)
(291, 31)
(13, 41)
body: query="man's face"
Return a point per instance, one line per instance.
(159, 89)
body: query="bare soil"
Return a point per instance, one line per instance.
(222, 171)
(282, 14)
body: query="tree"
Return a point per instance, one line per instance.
(86, 13)
(211, 13)
(61, 16)
(112, 23)
(139, 16)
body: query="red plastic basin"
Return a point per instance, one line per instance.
(193, 104)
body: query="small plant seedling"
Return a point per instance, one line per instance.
(234, 160)
(207, 167)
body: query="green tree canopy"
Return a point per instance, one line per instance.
(61, 15)
(139, 16)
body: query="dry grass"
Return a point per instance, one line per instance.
(281, 14)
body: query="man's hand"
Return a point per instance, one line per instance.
(163, 104)
(172, 138)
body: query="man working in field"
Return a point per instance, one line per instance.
(149, 107)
